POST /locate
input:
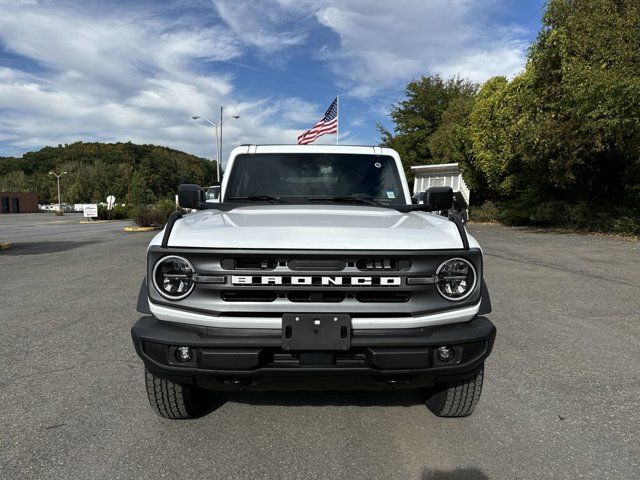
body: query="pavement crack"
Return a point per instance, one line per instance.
(57, 425)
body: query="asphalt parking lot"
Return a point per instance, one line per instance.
(560, 400)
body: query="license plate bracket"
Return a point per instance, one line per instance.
(316, 331)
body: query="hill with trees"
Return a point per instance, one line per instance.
(559, 144)
(134, 174)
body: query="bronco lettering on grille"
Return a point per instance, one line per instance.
(315, 281)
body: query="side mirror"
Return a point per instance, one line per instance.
(190, 196)
(438, 198)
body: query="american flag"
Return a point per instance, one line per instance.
(328, 124)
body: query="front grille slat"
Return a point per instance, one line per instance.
(318, 297)
(249, 296)
(313, 290)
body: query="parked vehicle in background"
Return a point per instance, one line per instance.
(54, 207)
(444, 175)
(213, 193)
(315, 271)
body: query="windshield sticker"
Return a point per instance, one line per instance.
(391, 194)
(378, 164)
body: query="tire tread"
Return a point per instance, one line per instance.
(457, 398)
(169, 399)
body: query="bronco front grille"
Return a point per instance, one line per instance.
(315, 280)
(358, 283)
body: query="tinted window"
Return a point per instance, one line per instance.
(295, 177)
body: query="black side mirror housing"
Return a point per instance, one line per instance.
(190, 196)
(438, 198)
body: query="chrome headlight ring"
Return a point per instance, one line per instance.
(173, 277)
(456, 279)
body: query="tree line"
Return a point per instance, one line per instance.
(134, 174)
(559, 144)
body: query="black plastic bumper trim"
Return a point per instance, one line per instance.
(244, 354)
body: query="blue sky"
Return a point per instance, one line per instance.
(120, 71)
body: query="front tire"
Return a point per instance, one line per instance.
(172, 400)
(457, 398)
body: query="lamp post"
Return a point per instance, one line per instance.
(218, 136)
(58, 178)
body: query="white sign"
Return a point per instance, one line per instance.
(90, 210)
(110, 201)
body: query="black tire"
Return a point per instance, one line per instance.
(457, 398)
(174, 400)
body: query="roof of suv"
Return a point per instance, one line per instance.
(353, 149)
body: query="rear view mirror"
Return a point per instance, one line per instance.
(438, 198)
(190, 196)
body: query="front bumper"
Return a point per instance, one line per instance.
(253, 359)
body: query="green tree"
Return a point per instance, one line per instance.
(420, 114)
(502, 134)
(585, 67)
(451, 143)
(96, 170)
(141, 194)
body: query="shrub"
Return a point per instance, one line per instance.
(153, 215)
(162, 209)
(487, 212)
(141, 214)
(117, 213)
(575, 216)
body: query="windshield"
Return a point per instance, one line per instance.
(296, 178)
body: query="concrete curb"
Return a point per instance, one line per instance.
(4, 246)
(87, 222)
(140, 229)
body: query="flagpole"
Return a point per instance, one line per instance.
(337, 119)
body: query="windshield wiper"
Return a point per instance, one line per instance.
(347, 198)
(258, 198)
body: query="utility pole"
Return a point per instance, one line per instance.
(218, 136)
(58, 178)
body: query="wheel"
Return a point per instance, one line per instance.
(173, 400)
(457, 398)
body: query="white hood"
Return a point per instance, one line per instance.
(315, 227)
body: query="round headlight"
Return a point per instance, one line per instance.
(173, 277)
(456, 279)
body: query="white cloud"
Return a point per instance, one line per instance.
(138, 78)
(386, 43)
(264, 24)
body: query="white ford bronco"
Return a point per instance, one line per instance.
(315, 271)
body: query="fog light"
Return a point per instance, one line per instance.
(445, 354)
(183, 354)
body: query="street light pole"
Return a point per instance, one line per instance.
(218, 136)
(217, 156)
(58, 178)
(220, 148)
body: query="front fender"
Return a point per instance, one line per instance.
(143, 298)
(485, 300)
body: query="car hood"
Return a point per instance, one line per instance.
(314, 227)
